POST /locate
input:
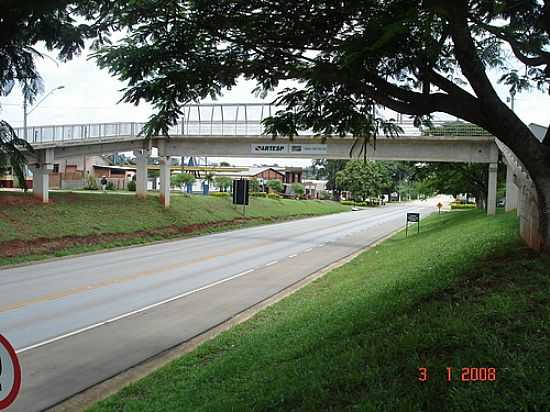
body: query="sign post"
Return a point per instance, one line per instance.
(439, 206)
(10, 374)
(412, 218)
(240, 193)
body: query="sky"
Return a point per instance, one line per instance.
(91, 95)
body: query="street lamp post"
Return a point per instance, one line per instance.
(26, 112)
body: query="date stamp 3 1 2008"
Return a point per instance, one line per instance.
(462, 374)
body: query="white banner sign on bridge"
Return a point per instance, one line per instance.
(288, 148)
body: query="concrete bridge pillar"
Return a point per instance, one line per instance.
(512, 191)
(141, 172)
(165, 181)
(492, 192)
(40, 174)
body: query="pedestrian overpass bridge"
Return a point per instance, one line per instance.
(235, 130)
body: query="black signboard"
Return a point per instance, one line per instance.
(240, 192)
(412, 218)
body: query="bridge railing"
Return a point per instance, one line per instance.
(219, 119)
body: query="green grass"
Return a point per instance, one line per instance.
(464, 292)
(101, 214)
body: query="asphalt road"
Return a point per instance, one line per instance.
(78, 321)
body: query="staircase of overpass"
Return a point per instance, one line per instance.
(235, 129)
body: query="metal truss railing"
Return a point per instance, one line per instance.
(219, 119)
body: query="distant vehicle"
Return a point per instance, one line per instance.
(355, 209)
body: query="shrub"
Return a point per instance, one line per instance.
(275, 185)
(131, 186)
(347, 202)
(91, 182)
(258, 194)
(110, 186)
(220, 194)
(274, 196)
(223, 182)
(298, 189)
(463, 206)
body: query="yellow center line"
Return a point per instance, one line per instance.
(122, 279)
(135, 276)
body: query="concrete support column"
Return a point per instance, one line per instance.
(492, 190)
(141, 173)
(512, 191)
(40, 175)
(165, 181)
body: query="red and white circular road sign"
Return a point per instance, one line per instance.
(10, 374)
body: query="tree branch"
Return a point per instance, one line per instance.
(542, 58)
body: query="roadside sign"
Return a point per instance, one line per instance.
(412, 218)
(10, 374)
(439, 206)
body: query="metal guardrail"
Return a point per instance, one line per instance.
(223, 119)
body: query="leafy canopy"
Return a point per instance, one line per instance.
(410, 56)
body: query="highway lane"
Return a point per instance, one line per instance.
(78, 321)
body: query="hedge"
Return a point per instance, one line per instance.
(220, 194)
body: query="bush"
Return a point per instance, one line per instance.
(298, 189)
(463, 206)
(110, 186)
(275, 185)
(91, 183)
(347, 202)
(131, 186)
(274, 196)
(258, 194)
(220, 194)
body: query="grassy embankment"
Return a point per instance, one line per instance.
(462, 293)
(81, 222)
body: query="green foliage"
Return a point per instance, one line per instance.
(457, 128)
(275, 185)
(254, 185)
(274, 196)
(110, 186)
(298, 189)
(220, 194)
(223, 182)
(362, 179)
(131, 186)
(81, 217)
(56, 25)
(10, 153)
(464, 292)
(258, 194)
(395, 54)
(182, 179)
(456, 178)
(91, 182)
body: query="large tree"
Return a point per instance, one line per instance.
(364, 179)
(416, 57)
(24, 24)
